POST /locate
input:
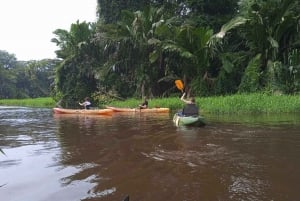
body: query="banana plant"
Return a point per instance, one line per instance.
(272, 29)
(189, 49)
(75, 76)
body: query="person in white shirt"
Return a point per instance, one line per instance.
(86, 104)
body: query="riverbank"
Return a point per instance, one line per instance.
(47, 102)
(238, 104)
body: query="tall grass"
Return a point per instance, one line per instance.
(239, 103)
(30, 102)
(251, 103)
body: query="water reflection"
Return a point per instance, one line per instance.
(31, 165)
(257, 119)
(147, 157)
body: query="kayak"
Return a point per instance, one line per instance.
(148, 110)
(83, 111)
(63, 116)
(180, 120)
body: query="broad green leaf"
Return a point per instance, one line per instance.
(153, 56)
(273, 42)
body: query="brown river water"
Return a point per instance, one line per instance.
(87, 158)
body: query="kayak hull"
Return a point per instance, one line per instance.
(180, 120)
(148, 110)
(83, 111)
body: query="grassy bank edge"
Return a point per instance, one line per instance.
(45, 102)
(238, 104)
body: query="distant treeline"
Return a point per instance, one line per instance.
(25, 79)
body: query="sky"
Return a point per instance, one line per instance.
(27, 25)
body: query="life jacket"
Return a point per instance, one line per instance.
(190, 110)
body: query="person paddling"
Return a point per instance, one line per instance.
(190, 109)
(86, 104)
(144, 105)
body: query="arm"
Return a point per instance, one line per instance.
(182, 98)
(83, 104)
(144, 105)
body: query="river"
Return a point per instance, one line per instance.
(71, 158)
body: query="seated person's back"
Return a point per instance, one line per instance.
(88, 106)
(190, 110)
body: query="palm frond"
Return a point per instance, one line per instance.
(235, 22)
(2, 151)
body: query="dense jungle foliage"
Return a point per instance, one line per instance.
(138, 48)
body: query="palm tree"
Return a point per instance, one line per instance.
(127, 49)
(189, 49)
(75, 77)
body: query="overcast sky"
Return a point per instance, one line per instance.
(27, 25)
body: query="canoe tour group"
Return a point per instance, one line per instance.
(188, 116)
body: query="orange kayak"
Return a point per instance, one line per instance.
(83, 111)
(148, 110)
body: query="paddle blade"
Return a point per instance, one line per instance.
(179, 85)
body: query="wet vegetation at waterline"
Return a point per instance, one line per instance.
(252, 103)
(239, 103)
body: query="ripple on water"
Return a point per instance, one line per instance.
(243, 187)
(19, 121)
(191, 158)
(100, 194)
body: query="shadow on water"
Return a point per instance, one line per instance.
(147, 157)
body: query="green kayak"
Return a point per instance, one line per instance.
(180, 120)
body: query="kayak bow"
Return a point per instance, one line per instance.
(181, 120)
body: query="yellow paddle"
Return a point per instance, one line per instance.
(179, 85)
